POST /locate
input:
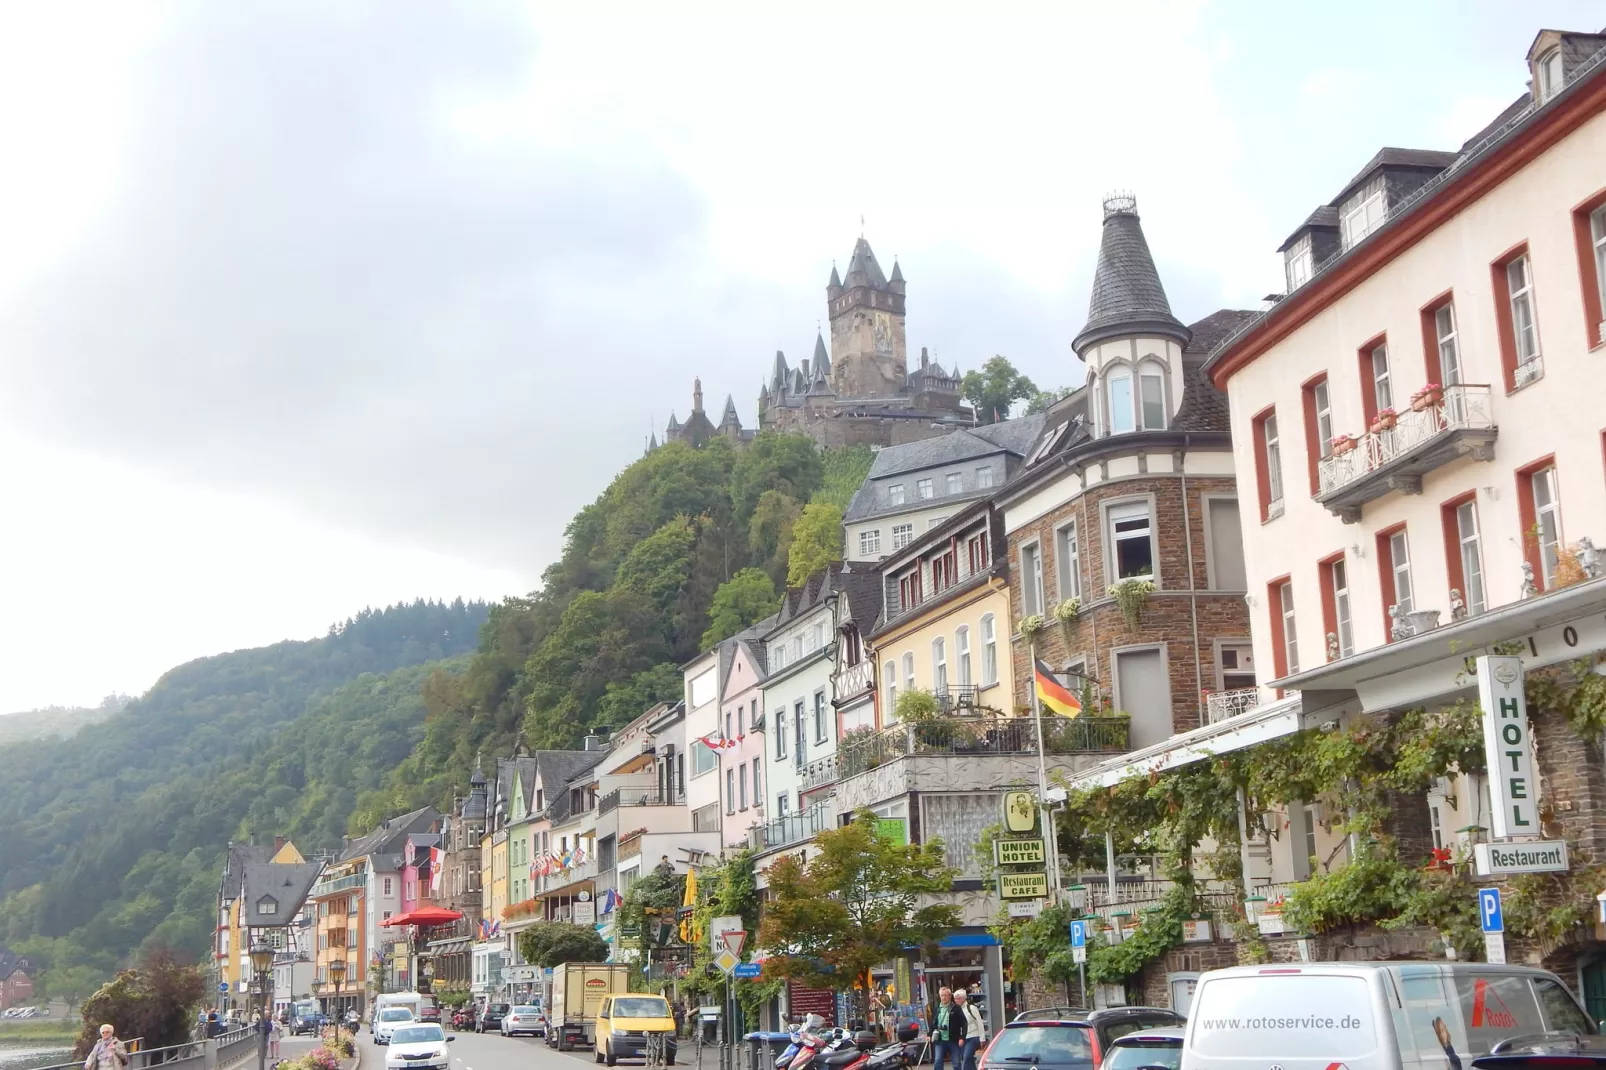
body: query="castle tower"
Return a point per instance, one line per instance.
(871, 355)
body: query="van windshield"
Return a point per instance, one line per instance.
(640, 1007)
(1289, 1016)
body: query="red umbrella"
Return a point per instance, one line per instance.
(424, 916)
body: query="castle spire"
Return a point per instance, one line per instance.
(696, 396)
(1127, 295)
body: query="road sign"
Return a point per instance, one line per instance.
(718, 927)
(222, 986)
(1533, 856)
(1490, 913)
(726, 961)
(734, 939)
(1078, 955)
(1023, 885)
(748, 969)
(1494, 948)
(1018, 852)
(1078, 934)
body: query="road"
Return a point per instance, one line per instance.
(491, 1051)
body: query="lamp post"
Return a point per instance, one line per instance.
(262, 972)
(337, 974)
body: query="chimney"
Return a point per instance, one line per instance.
(592, 742)
(278, 844)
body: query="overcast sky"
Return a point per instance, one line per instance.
(310, 306)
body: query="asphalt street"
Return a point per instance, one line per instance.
(492, 1051)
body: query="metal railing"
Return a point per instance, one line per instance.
(1471, 154)
(222, 1051)
(338, 884)
(1529, 371)
(1463, 407)
(1221, 705)
(820, 772)
(793, 828)
(985, 735)
(635, 797)
(958, 698)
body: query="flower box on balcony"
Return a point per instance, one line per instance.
(1428, 397)
(1384, 420)
(1343, 443)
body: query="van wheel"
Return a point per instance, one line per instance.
(596, 1056)
(610, 1058)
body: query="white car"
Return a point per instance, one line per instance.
(390, 1019)
(417, 1046)
(524, 1019)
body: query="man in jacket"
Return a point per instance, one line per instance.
(947, 1032)
(975, 1030)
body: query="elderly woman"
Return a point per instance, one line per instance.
(108, 1052)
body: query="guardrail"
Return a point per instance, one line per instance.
(216, 1053)
(645, 796)
(985, 735)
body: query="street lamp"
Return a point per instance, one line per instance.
(262, 971)
(337, 974)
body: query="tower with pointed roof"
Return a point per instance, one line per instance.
(867, 328)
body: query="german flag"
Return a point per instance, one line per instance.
(1053, 695)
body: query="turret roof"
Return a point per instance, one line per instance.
(863, 269)
(1127, 295)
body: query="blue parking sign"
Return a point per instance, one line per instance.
(1489, 911)
(1079, 933)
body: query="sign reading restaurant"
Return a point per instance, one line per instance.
(1539, 856)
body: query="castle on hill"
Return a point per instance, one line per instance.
(860, 391)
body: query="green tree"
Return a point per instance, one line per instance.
(552, 943)
(769, 532)
(746, 598)
(853, 906)
(846, 468)
(624, 702)
(995, 388)
(602, 637)
(816, 542)
(1044, 400)
(156, 1001)
(71, 984)
(790, 464)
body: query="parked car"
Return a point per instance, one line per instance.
(1068, 1038)
(625, 1022)
(1146, 1048)
(387, 1020)
(1107, 1024)
(524, 1019)
(491, 1017)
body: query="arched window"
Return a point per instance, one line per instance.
(989, 650)
(1118, 401)
(962, 653)
(939, 665)
(1151, 396)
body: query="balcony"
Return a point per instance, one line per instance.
(1221, 705)
(984, 735)
(1461, 424)
(819, 773)
(958, 699)
(851, 682)
(339, 884)
(636, 797)
(793, 828)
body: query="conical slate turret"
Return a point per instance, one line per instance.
(1127, 296)
(822, 359)
(863, 269)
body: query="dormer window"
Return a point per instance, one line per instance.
(1151, 395)
(1297, 263)
(1364, 212)
(1548, 69)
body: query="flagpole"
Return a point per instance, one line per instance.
(1042, 780)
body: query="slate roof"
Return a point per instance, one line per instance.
(859, 585)
(1010, 436)
(1396, 159)
(385, 841)
(1127, 294)
(1325, 216)
(863, 269)
(286, 882)
(1203, 407)
(822, 359)
(11, 962)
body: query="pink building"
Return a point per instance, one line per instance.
(742, 720)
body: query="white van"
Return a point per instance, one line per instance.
(1370, 1015)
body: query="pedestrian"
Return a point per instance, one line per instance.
(947, 1032)
(975, 1029)
(214, 1023)
(274, 1030)
(108, 1052)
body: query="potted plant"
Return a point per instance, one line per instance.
(1384, 420)
(1343, 443)
(1428, 397)
(1130, 595)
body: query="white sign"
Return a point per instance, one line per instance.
(1537, 856)
(1079, 955)
(1494, 948)
(1025, 908)
(1508, 748)
(1195, 931)
(585, 913)
(718, 927)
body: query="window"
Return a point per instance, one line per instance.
(728, 733)
(819, 635)
(909, 671)
(955, 483)
(1519, 280)
(909, 590)
(1550, 76)
(923, 488)
(1338, 589)
(1464, 553)
(758, 790)
(1589, 227)
(1446, 345)
(869, 542)
(1394, 563)
(1068, 561)
(1297, 264)
(939, 665)
(895, 494)
(1031, 580)
(800, 719)
(889, 674)
(821, 724)
(1118, 390)
(1597, 238)
(1541, 522)
(979, 552)
(1226, 542)
(1132, 535)
(388, 887)
(703, 758)
(902, 535)
(989, 650)
(984, 476)
(1285, 638)
(1381, 378)
(730, 791)
(1324, 418)
(944, 571)
(962, 653)
(780, 732)
(1235, 666)
(1312, 816)
(783, 804)
(934, 521)
(1363, 213)
(1318, 428)
(752, 717)
(1151, 393)
(1269, 458)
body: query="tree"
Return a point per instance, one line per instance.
(845, 470)
(995, 388)
(769, 532)
(552, 943)
(156, 1000)
(790, 464)
(70, 984)
(816, 542)
(1044, 400)
(854, 905)
(746, 598)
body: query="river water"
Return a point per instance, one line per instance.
(27, 1058)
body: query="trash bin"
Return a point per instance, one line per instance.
(764, 1048)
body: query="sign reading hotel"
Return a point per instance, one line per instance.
(1022, 885)
(1508, 747)
(1019, 852)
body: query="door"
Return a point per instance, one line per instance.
(1595, 989)
(1143, 690)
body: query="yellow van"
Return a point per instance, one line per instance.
(626, 1020)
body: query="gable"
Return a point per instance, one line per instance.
(518, 811)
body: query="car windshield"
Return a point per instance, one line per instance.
(529, 1012)
(1131, 1054)
(1062, 1045)
(395, 1014)
(498, 1008)
(418, 1034)
(641, 1007)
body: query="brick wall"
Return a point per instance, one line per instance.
(1169, 615)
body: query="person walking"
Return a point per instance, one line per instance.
(274, 1031)
(947, 1032)
(108, 1052)
(975, 1029)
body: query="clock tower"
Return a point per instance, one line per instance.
(870, 354)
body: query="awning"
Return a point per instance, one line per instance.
(1270, 720)
(423, 916)
(449, 947)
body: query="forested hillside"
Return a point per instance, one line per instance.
(57, 721)
(112, 839)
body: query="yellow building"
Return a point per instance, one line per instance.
(946, 625)
(231, 946)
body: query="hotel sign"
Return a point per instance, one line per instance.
(1536, 856)
(1508, 747)
(1019, 852)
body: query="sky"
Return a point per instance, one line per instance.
(309, 306)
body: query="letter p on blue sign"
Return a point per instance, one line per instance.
(1078, 933)
(1489, 912)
